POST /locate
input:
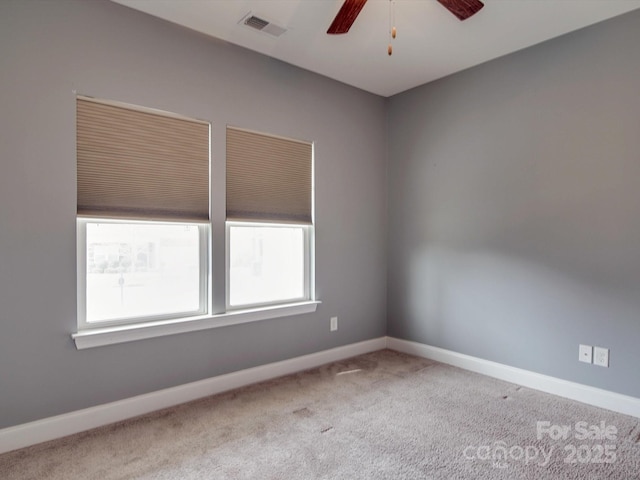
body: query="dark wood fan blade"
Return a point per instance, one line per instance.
(462, 9)
(346, 16)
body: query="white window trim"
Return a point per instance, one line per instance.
(104, 333)
(96, 337)
(309, 254)
(81, 253)
(91, 335)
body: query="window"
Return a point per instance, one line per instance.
(144, 229)
(141, 270)
(269, 219)
(267, 263)
(143, 211)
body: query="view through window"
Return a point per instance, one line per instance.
(266, 264)
(141, 270)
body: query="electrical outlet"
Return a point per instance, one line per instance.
(585, 353)
(334, 324)
(601, 356)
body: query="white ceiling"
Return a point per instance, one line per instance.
(431, 42)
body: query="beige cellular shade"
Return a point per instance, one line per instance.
(141, 164)
(268, 178)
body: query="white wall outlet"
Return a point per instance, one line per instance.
(585, 353)
(601, 356)
(334, 324)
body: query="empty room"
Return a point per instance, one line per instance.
(319, 239)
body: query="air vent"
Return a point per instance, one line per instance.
(262, 25)
(255, 22)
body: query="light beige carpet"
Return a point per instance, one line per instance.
(383, 415)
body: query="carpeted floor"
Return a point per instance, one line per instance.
(383, 415)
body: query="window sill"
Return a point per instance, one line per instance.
(97, 337)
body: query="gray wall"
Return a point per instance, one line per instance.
(514, 208)
(513, 227)
(49, 50)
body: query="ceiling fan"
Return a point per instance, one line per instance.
(350, 10)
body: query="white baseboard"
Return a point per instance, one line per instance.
(575, 391)
(51, 428)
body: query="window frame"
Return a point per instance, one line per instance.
(214, 285)
(100, 335)
(204, 276)
(308, 254)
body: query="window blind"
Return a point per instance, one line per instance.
(269, 178)
(141, 164)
